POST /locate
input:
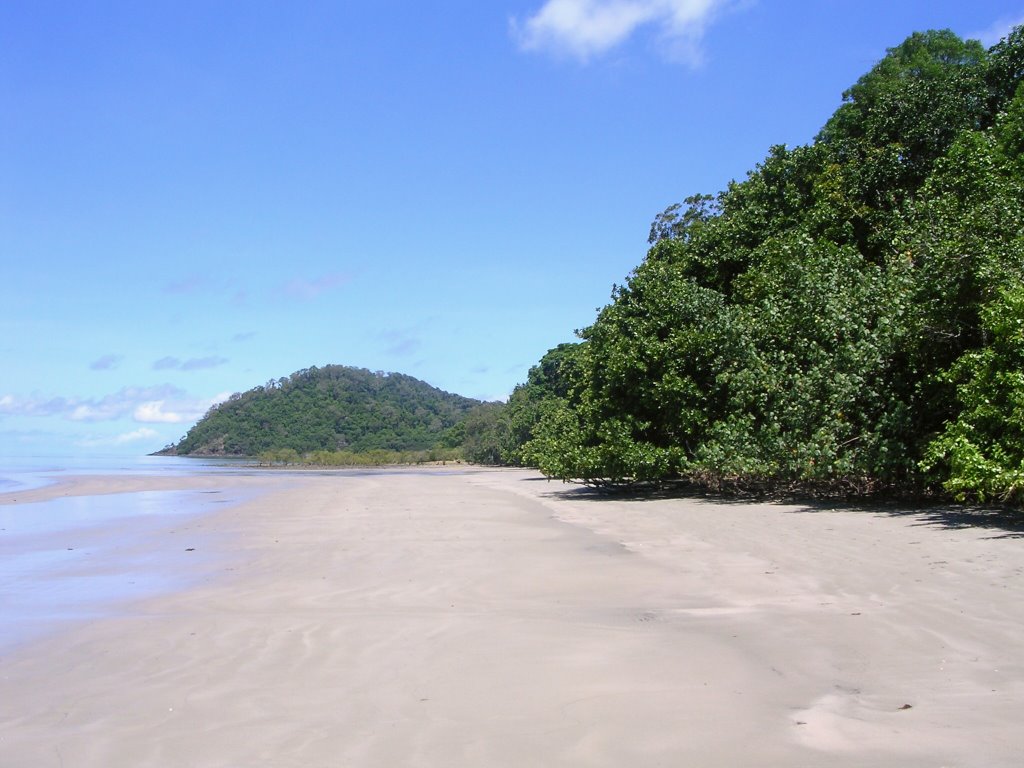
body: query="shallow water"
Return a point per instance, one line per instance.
(79, 557)
(24, 472)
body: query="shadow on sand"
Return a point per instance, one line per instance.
(1004, 522)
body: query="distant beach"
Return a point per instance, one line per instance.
(477, 617)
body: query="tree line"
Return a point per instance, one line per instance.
(849, 318)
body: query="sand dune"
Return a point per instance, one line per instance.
(489, 618)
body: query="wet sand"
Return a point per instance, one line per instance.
(490, 618)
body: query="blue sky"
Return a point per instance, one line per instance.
(198, 197)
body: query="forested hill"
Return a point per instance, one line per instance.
(849, 317)
(334, 408)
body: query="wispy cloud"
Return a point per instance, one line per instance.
(105, 363)
(33, 406)
(303, 289)
(175, 411)
(400, 343)
(156, 405)
(202, 363)
(997, 31)
(119, 404)
(155, 412)
(192, 364)
(584, 29)
(137, 435)
(247, 336)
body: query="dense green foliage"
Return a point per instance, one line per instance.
(546, 389)
(335, 410)
(849, 317)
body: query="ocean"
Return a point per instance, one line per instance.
(82, 557)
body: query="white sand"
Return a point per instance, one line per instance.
(490, 618)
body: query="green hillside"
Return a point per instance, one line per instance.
(334, 408)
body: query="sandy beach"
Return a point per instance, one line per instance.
(473, 617)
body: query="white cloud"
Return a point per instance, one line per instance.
(175, 412)
(154, 413)
(117, 405)
(87, 412)
(997, 31)
(587, 28)
(157, 405)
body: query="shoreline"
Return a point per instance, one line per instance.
(105, 483)
(485, 617)
(81, 547)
